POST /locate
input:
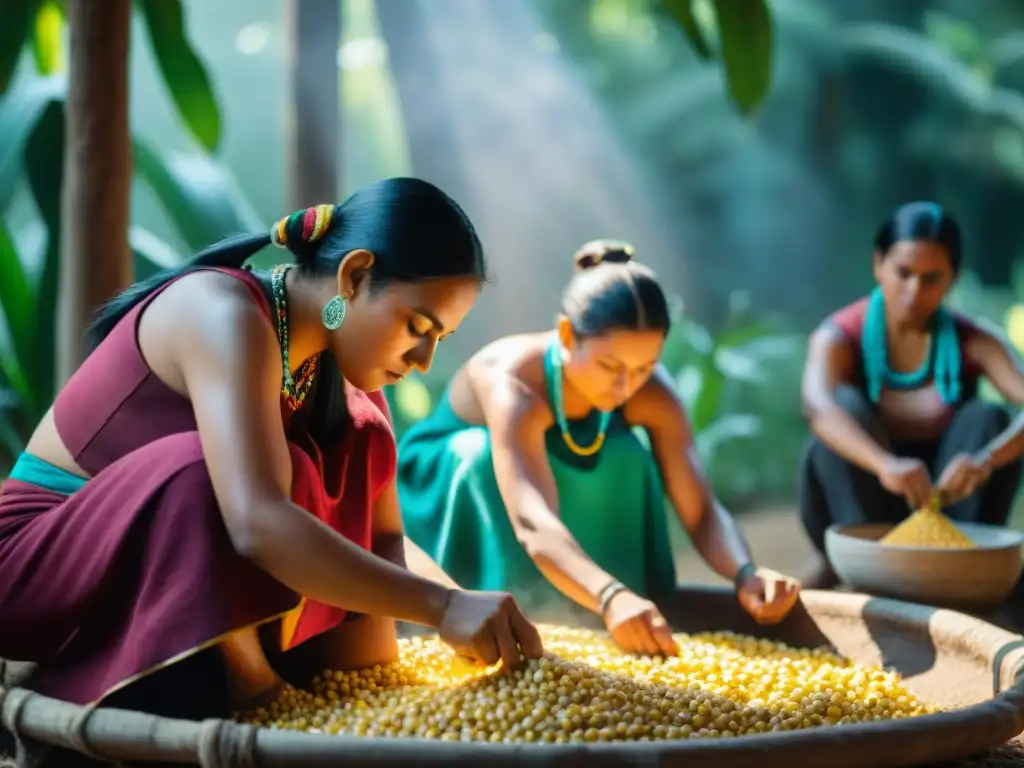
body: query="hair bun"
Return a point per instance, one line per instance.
(600, 251)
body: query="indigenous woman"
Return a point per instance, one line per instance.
(891, 392)
(529, 477)
(224, 458)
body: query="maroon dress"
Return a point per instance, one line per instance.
(135, 570)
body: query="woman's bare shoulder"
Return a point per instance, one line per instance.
(201, 314)
(506, 375)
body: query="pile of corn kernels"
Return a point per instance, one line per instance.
(721, 685)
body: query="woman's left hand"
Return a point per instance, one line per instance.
(768, 596)
(963, 476)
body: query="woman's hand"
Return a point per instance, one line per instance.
(908, 478)
(638, 626)
(768, 596)
(488, 626)
(963, 476)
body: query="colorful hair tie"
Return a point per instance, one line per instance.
(303, 227)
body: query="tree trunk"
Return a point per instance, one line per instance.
(96, 261)
(314, 35)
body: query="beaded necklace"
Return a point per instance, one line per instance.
(555, 362)
(942, 363)
(294, 391)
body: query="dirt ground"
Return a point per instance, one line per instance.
(776, 538)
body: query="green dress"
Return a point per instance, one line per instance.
(612, 502)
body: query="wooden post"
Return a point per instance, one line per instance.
(95, 258)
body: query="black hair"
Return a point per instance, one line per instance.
(415, 231)
(611, 292)
(922, 220)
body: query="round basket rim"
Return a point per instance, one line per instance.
(945, 735)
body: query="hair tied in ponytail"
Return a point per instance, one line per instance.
(598, 252)
(303, 228)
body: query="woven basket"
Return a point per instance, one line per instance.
(947, 658)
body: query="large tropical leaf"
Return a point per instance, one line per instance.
(47, 45)
(183, 71)
(14, 30)
(44, 166)
(746, 41)
(19, 113)
(17, 300)
(681, 12)
(150, 254)
(198, 192)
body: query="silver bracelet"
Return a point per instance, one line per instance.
(605, 596)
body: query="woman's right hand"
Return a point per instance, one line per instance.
(908, 478)
(488, 626)
(637, 626)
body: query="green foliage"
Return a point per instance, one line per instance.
(18, 18)
(46, 40)
(682, 12)
(183, 71)
(40, 23)
(740, 387)
(196, 190)
(744, 44)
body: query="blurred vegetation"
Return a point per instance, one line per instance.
(778, 135)
(195, 190)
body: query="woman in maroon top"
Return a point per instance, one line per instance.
(224, 460)
(890, 390)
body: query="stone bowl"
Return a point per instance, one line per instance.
(976, 580)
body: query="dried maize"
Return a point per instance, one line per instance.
(928, 527)
(585, 690)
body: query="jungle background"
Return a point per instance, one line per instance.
(748, 150)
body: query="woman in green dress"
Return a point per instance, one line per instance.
(530, 477)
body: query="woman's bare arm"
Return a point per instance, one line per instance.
(1003, 368)
(714, 532)
(517, 420)
(391, 543)
(229, 359)
(829, 362)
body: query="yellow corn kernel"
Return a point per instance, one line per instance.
(586, 690)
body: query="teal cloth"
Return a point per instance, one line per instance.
(612, 502)
(33, 470)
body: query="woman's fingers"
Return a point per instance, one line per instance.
(662, 635)
(526, 634)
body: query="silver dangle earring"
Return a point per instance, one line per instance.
(334, 313)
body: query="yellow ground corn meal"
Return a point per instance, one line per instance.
(928, 527)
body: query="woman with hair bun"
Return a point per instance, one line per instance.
(528, 476)
(890, 389)
(224, 462)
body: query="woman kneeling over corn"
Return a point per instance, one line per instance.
(891, 390)
(208, 469)
(529, 477)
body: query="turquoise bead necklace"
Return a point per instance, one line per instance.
(555, 362)
(942, 363)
